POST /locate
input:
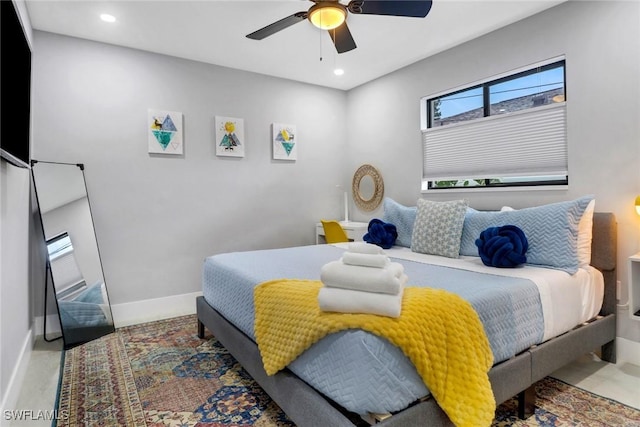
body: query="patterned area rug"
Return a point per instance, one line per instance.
(162, 374)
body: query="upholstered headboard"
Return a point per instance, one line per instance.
(604, 256)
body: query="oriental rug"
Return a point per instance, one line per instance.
(161, 374)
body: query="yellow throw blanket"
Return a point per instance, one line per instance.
(438, 331)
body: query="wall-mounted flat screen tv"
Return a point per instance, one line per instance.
(15, 87)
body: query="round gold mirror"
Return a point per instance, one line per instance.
(367, 187)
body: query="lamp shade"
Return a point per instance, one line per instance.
(327, 15)
(638, 205)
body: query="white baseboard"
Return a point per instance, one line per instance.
(133, 313)
(10, 399)
(627, 351)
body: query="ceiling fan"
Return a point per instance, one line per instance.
(331, 15)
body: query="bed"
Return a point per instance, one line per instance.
(373, 382)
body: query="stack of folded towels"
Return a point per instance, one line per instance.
(364, 280)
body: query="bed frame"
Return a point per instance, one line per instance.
(514, 377)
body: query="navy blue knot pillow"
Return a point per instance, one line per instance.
(503, 247)
(383, 234)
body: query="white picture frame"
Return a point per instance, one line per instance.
(284, 139)
(164, 130)
(229, 134)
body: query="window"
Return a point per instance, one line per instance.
(504, 132)
(59, 245)
(457, 107)
(66, 274)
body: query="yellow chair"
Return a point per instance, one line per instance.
(333, 231)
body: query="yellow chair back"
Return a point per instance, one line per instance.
(333, 231)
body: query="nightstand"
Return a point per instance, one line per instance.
(634, 287)
(355, 230)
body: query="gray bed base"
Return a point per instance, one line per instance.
(514, 377)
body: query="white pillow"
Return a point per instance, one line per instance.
(585, 234)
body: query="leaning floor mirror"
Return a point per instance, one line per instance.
(74, 268)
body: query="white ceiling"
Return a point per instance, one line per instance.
(214, 31)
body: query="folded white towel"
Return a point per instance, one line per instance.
(386, 280)
(350, 301)
(365, 260)
(365, 248)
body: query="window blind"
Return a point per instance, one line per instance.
(526, 143)
(64, 268)
(65, 271)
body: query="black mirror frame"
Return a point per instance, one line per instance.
(85, 334)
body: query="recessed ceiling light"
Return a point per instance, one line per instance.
(108, 18)
(338, 71)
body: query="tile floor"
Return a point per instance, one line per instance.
(619, 382)
(40, 387)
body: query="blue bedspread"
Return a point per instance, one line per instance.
(363, 372)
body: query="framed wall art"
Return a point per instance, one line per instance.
(229, 136)
(164, 132)
(285, 141)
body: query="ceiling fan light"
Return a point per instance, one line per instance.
(327, 15)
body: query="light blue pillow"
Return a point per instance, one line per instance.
(552, 231)
(402, 217)
(438, 227)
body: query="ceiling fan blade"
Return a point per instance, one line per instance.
(278, 26)
(414, 8)
(342, 38)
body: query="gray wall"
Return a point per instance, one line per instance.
(601, 41)
(157, 217)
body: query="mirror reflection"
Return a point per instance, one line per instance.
(366, 188)
(75, 269)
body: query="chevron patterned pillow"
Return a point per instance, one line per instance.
(552, 231)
